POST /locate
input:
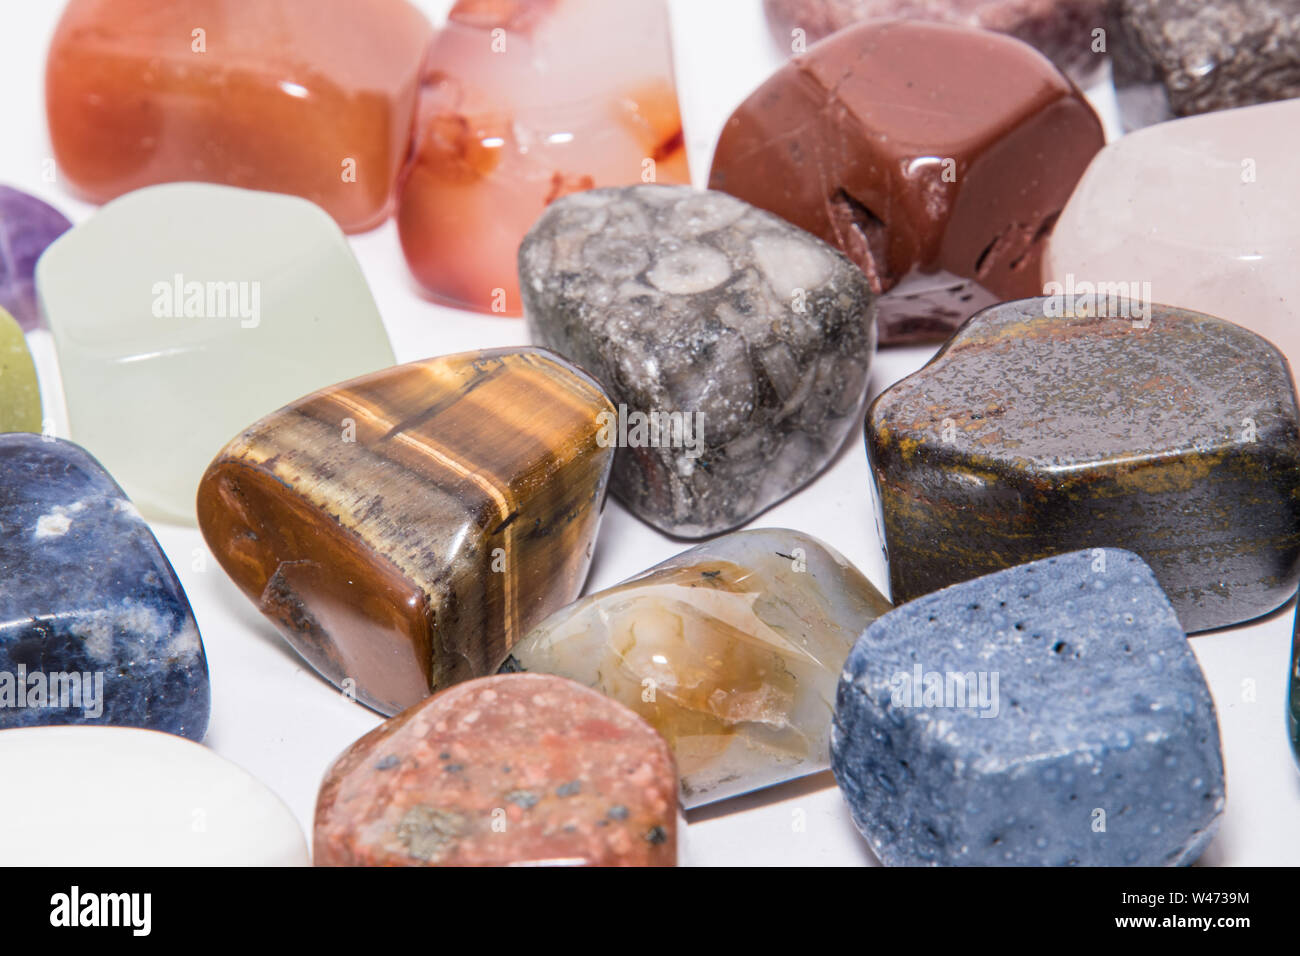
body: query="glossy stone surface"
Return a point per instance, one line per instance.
(404, 529)
(27, 226)
(1205, 209)
(935, 157)
(731, 650)
(1032, 434)
(738, 344)
(172, 317)
(1052, 714)
(1060, 29)
(310, 97)
(525, 101)
(94, 625)
(1181, 57)
(515, 770)
(118, 797)
(20, 395)
(1293, 698)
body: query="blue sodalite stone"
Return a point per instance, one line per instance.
(85, 590)
(1052, 714)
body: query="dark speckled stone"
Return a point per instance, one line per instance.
(1088, 736)
(1182, 57)
(1028, 436)
(85, 589)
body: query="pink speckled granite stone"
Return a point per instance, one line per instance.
(516, 769)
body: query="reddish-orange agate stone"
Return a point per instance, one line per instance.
(524, 101)
(517, 769)
(310, 97)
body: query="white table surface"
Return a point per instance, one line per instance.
(273, 716)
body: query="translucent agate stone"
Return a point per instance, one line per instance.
(310, 97)
(182, 312)
(731, 650)
(524, 101)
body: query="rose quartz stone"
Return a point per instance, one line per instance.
(310, 97)
(516, 769)
(1201, 213)
(525, 101)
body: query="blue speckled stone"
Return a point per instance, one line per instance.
(85, 588)
(1100, 746)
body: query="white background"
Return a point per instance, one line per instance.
(274, 717)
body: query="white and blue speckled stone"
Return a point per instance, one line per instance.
(94, 625)
(1094, 742)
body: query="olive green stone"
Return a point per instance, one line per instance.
(20, 397)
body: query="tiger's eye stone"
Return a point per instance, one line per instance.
(515, 770)
(731, 650)
(20, 395)
(524, 101)
(1061, 29)
(310, 97)
(405, 528)
(27, 227)
(1182, 57)
(936, 157)
(177, 323)
(1064, 423)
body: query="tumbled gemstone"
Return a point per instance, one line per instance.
(115, 796)
(176, 324)
(1293, 698)
(1052, 714)
(405, 528)
(1180, 57)
(20, 395)
(525, 101)
(309, 97)
(1063, 30)
(94, 625)
(731, 650)
(520, 769)
(935, 157)
(1055, 424)
(1204, 212)
(735, 345)
(27, 227)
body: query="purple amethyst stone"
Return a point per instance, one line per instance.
(27, 226)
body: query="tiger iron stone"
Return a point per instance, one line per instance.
(1056, 424)
(936, 157)
(514, 770)
(310, 97)
(405, 528)
(731, 650)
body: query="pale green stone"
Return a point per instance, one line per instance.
(20, 397)
(272, 306)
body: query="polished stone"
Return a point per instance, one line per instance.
(935, 157)
(27, 226)
(1293, 697)
(1052, 714)
(515, 770)
(1060, 29)
(404, 529)
(118, 797)
(94, 625)
(1035, 432)
(1206, 210)
(20, 395)
(525, 101)
(735, 345)
(309, 97)
(1181, 57)
(176, 324)
(731, 650)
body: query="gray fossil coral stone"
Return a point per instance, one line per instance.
(735, 345)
